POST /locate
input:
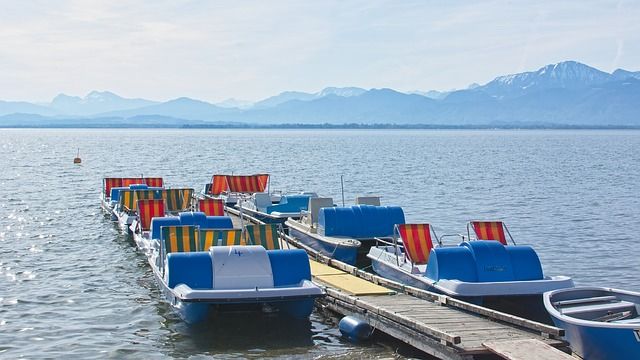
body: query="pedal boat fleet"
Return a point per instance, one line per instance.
(201, 262)
(203, 265)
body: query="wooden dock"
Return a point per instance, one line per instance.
(436, 324)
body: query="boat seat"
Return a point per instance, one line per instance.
(220, 237)
(266, 235)
(262, 201)
(597, 309)
(416, 239)
(489, 230)
(211, 207)
(147, 210)
(180, 238)
(594, 299)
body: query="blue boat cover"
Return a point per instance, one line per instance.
(290, 203)
(359, 221)
(190, 218)
(190, 268)
(158, 222)
(289, 267)
(484, 261)
(198, 218)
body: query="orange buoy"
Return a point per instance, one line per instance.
(77, 159)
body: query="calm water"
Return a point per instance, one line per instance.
(72, 286)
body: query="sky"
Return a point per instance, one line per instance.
(250, 50)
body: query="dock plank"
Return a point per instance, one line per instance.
(528, 349)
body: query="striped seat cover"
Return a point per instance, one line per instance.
(266, 235)
(417, 242)
(489, 230)
(211, 207)
(180, 238)
(129, 198)
(220, 237)
(147, 210)
(177, 199)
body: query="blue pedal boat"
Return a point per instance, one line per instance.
(508, 278)
(344, 233)
(599, 323)
(263, 207)
(199, 280)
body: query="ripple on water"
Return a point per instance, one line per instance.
(94, 296)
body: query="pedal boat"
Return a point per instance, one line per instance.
(263, 207)
(107, 200)
(344, 233)
(599, 323)
(231, 188)
(484, 272)
(126, 211)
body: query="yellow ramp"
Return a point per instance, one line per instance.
(319, 269)
(345, 282)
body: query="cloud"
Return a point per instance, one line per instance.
(253, 49)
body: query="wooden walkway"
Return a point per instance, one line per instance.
(439, 325)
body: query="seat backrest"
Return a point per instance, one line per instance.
(147, 210)
(153, 181)
(262, 201)
(180, 238)
(109, 183)
(218, 185)
(416, 239)
(220, 237)
(211, 207)
(266, 235)
(315, 204)
(489, 230)
(177, 199)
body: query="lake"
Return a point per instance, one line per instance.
(72, 286)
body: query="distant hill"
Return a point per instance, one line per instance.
(564, 94)
(96, 102)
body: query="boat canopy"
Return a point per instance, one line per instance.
(109, 183)
(238, 183)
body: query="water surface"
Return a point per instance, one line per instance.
(72, 286)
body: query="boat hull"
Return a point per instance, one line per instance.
(592, 339)
(344, 253)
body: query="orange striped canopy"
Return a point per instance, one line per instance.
(218, 185)
(239, 183)
(489, 230)
(109, 183)
(416, 239)
(211, 207)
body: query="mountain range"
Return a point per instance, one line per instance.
(564, 94)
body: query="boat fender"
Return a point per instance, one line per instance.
(355, 329)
